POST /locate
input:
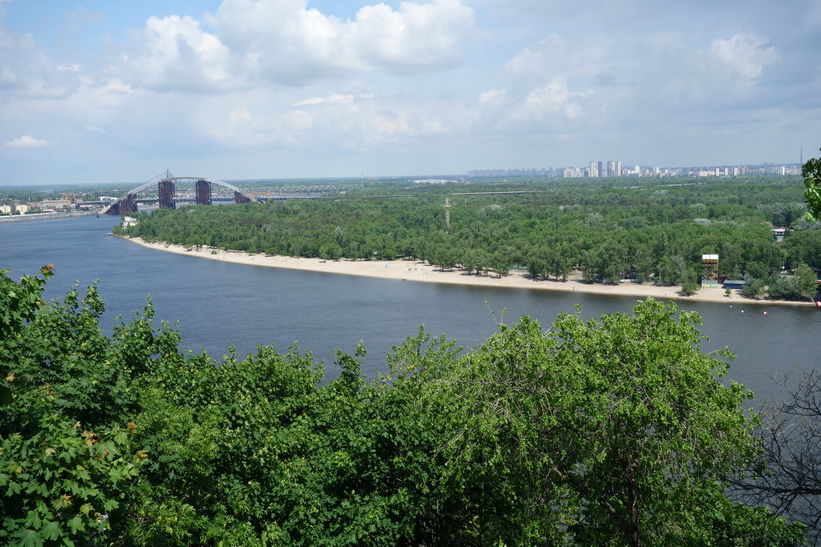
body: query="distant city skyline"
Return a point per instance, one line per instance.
(614, 168)
(96, 91)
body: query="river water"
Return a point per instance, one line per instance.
(219, 304)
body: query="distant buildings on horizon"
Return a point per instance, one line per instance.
(612, 169)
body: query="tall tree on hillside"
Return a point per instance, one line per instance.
(616, 430)
(811, 171)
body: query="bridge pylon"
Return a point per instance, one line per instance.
(203, 192)
(166, 193)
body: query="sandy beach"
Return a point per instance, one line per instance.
(407, 270)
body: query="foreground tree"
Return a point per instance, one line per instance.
(616, 430)
(610, 431)
(811, 171)
(66, 451)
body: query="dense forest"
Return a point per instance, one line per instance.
(649, 232)
(610, 431)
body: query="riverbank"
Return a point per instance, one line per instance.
(45, 216)
(407, 270)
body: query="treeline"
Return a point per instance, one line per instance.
(647, 233)
(610, 431)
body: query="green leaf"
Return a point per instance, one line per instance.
(52, 530)
(29, 538)
(33, 519)
(76, 524)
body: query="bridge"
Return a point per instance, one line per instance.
(204, 191)
(167, 194)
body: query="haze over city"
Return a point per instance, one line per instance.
(96, 91)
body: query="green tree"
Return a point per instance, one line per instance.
(811, 171)
(754, 287)
(500, 263)
(537, 262)
(803, 247)
(617, 430)
(689, 285)
(800, 286)
(66, 452)
(807, 281)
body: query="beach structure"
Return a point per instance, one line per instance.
(709, 276)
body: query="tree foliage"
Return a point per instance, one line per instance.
(610, 431)
(618, 428)
(811, 171)
(65, 459)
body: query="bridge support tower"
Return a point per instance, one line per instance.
(203, 188)
(126, 205)
(165, 190)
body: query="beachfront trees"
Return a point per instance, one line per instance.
(613, 232)
(800, 286)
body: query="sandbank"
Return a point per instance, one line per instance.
(408, 270)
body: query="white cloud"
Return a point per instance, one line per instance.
(20, 59)
(177, 54)
(558, 56)
(746, 55)
(95, 129)
(26, 70)
(250, 122)
(336, 98)
(492, 95)
(27, 141)
(7, 77)
(551, 100)
(281, 41)
(417, 37)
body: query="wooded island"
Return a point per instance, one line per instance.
(651, 232)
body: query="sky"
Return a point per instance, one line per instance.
(100, 91)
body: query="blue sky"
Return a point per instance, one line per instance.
(97, 91)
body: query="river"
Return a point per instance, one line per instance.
(219, 304)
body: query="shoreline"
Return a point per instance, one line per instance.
(30, 217)
(411, 270)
